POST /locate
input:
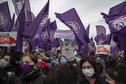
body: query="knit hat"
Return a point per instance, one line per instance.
(43, 65)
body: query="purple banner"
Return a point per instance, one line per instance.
(5, 19)
(100, 29)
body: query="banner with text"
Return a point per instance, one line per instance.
(102, 49)
(8, 38)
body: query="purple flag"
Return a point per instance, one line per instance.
(116, 17)
(29, 14)
(53, 41)
(116, 20)
(40, 20)
(72, 20)
(93, 44)
(18, 6)
(21, 27)
(5, 18)
(121, 32)
(44, 35)
(41, 38)
(113, 46)
(118, 9)
(8, 29)
(84, 49)
(107, 39)
(101, 29)
(87, 30)
(99, 39)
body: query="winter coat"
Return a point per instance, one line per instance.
(99, 80)
(35, 77)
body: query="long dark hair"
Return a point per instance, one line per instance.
(92, 61)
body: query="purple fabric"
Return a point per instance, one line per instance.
(121, 32)
(28, 11)
(87, 33)
(115, 15)
(44, 35)
(18, 5)
(99, 39)
(107, 39)
(87, 30)
(114, 45)
(116, 10)
(37, 36)
(116, 19)
(101, 29)
(30, 31)
(8, 29)
(74, 24)
(25, 69)
(93, 43)
(5, 19)
(21, 27)
(84, 49)
(53, 41)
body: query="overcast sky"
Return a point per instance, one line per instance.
(88, 11)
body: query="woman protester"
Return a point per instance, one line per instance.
(89, 72)
(7, 75)
(30, 73)
(63, 60)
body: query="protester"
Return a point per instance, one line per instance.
(111, 63)
(30, 73)
(63, 59)
(78, 58)
(117, 74)
(67, 48)
(57, 58)
(63, 74)
(7, 75)
(89, 72)
(109, 76)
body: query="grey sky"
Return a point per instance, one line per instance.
(88, 10)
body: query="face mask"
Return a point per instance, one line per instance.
(39, 59)
(88, 72)
(66, 42)
(25, 69)
(63, 61)
(3, 63)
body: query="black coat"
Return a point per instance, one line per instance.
(99, 80)
(33, 78)
(5, 78)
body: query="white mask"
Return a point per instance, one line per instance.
(88, 72)
(3, 63)
(39, 59)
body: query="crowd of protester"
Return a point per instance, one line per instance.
(47, 67)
